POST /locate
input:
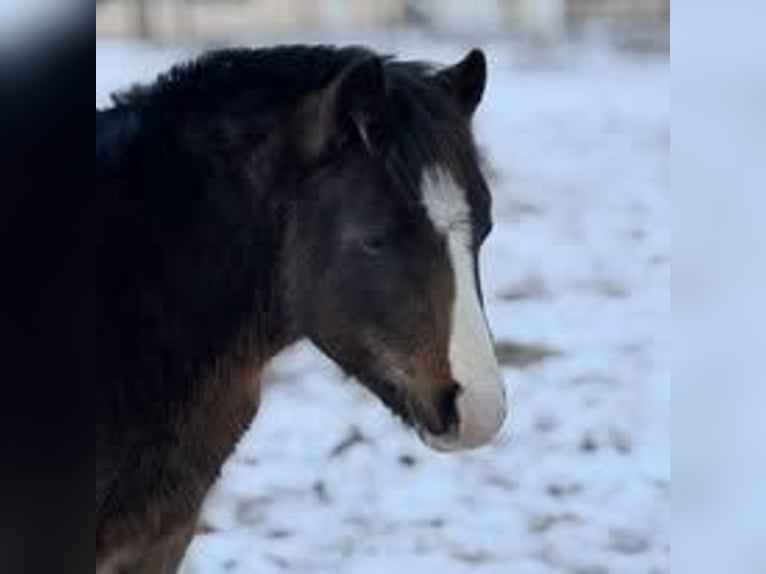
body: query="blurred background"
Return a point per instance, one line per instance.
(575, 126)
(638, 24)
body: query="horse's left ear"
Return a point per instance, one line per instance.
(351, 108)
(466, 80)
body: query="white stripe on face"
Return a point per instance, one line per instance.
(482, 404)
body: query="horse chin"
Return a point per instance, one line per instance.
(440, 443)
(447, 443)
(406, 408)
(463, 438)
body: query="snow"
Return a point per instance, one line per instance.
(719, 426)
(577, 278)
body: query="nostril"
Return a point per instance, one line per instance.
(447, 408)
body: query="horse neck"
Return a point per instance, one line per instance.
(213, 197)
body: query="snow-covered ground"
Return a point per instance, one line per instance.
(577, 275)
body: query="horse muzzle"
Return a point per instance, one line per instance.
(480, 410)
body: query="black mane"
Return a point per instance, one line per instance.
(270, 77)
(258, 84)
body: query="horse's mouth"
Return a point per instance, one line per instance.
(430, 430)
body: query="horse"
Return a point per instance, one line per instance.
(251, 198)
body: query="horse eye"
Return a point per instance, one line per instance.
(374, 245)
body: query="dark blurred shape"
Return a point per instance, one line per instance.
(142, 18)
(44, 196)
(416, 14)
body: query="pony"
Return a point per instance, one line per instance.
(254, 197)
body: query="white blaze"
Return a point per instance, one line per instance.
(482, 403)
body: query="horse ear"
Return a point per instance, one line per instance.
(352, 106)
(466, 80)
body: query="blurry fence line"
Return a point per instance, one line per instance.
(622, 20)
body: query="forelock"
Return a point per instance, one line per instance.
(426, 129)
